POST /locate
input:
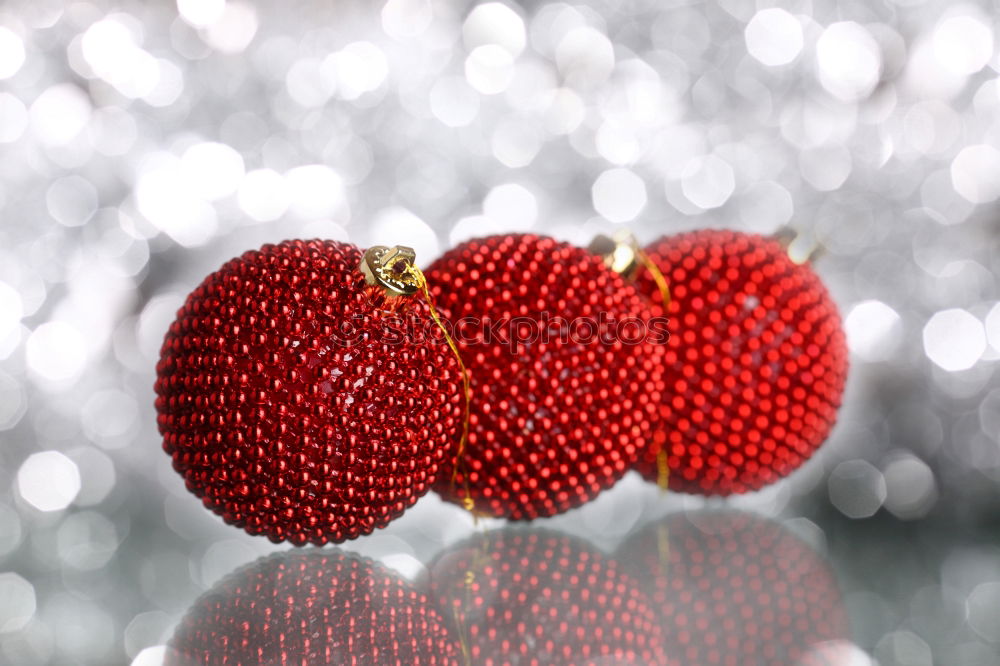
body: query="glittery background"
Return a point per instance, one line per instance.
(142, 144)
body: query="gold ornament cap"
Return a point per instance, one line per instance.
(623, 255)
(619, 252)
(801, 247)
(390, 268)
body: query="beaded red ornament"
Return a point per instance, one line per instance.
(534, 597)
(295, 403)
(758, 359)
(730, 588)
(312, 608)
(566, 375)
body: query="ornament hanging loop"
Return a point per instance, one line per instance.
(417, 276)
(391, 269)
(395, 270)
(623, 255)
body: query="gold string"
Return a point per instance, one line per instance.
(654, 270)
(467, 501)
(478, 563)
(462, 643)
(662, 463)
(662, 469)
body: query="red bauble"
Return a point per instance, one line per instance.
(532, 597)
(312, 608)
(731, 589)
(758, 358)
(562, 403)
(292, 405)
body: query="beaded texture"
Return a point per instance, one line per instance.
(758, 358)
(538, 598)
(730, 588)
(553, 423)
(312, 608)
(293, 404)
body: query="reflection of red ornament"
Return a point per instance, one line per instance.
(554, 421)
(731, 588)
(759, 361)
(312, 608)
(540, 598)
(292, 405)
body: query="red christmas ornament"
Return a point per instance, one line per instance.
(758, 358)
(533, 597)
(730, 588)
(292, 401)
(566, 376)
(312, 608)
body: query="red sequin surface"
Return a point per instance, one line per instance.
(732, 589)
(758, 361)
(308, 609)
(553, 422)
(531, 597)
(291, 404)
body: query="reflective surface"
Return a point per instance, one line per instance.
(708, 587)
(315, 606)
(143, 144)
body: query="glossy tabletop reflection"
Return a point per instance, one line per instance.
(705, 587)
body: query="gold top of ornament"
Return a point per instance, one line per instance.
(801, 247)
(623, 255)
(391, 269)
(620, 252)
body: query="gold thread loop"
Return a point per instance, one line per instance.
(658, 277)
(421, 281)
(477, 565)
(662, 463)
(623, 254)
(662, 469)
(462, 643)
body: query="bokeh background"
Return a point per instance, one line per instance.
(142, 144)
